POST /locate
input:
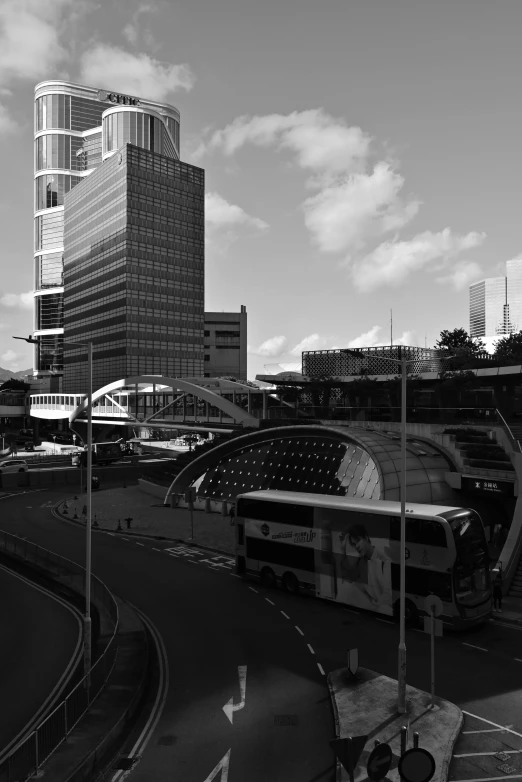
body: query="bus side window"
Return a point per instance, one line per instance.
(240, 534)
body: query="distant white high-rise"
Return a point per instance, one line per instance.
(495, 303)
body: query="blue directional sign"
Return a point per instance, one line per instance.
(379, 762)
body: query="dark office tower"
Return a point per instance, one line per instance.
(134, 269)
(76, 127)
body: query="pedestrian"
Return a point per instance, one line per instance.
(497, 529)
(232, 514)
(497, 592)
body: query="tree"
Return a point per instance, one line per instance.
(458, 341)
(14, 384)
(509, 349)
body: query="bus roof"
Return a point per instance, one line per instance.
(357, 503)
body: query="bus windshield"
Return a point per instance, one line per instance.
(472, 559)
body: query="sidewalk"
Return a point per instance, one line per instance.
(150, 518)
(366, 705)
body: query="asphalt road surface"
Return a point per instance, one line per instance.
(40, 636)
(215, 625)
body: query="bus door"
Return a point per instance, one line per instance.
(325, 571)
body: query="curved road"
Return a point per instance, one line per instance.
(40, 636)
(212, 622)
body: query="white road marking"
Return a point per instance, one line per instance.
(253, 590)
(486, 730)
(222, 766)
(321, 668)
(386, 621)
(285, 615)
(488, 779)
(139, 544)
(269, 601)
(235, 575)
(230, 707)
(495, 724)
(481, 648)
(298, 629)
(518, 659)
(477, 754)
(111, 534)
(312, 651)
(124, 538)
(156, 549)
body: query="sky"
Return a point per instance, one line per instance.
(360, 156)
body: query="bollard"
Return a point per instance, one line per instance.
(95, 522)
(207, 505)
(75, 497)
(377, 742)
(404, 739)
(128, 522)
(124, 484)
(75, 515)
(65, 511)
(415, 740)
(118, 528)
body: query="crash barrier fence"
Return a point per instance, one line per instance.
(24, 761)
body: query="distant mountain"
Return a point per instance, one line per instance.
(6, 374)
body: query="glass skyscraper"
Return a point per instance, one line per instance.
(514, 292)
(488, 307)
(76, 129)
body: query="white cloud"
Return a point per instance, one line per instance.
(132, 30)
(136, 74)
(9, 356)
(29, 38)
(24, 300)
(312, 342)
(347, 214)
(220, 213)
(391, 262)
(274, 346)
(323, 145)
(462, 274)
(7, 124)
(374, 338)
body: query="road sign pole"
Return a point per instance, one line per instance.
(432, 657)
(350, 762)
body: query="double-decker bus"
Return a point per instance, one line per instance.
(348, 550)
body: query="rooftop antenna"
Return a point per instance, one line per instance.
(391, 328)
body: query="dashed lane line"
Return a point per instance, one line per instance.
(254, 590)
(156, 549)
(269, 601)
(321, 669)
(495, 724)
(285, 615)
(478, 754)
(298, 629)
(311, 649)
(139, 544)
(235, 575)
(480, 648)
(518, 659)
(488, 779)
(486, 730)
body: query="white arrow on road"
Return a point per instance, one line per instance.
(230, 707)
(222, 766)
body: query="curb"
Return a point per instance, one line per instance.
(63, 517)
(451, 743)
(338, 766)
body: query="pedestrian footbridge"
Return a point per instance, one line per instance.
(157, 401)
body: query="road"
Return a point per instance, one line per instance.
(212, 622)
(40, 639)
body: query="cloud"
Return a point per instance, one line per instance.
(136, 74)
(25, 300)
(348, 214)
(373, 339)
(29, 38)
(132, 30)
(274, 346)
(9, 356)
(391, 262)
(312, 342)
(323, 145)
(220, 213)
(462, 274)
(7, 124)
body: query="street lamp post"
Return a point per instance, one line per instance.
(87, 633)
(401, 678)
(54, 444)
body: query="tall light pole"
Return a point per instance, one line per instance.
(87, 625)
(401, 678)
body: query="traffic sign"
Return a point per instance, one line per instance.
(416, 765)
(435, 603)
(348, 751)
(379, 762)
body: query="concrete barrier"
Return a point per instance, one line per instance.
(152, 488)
(59, 476)
(11, 480)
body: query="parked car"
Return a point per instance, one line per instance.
(29, 446)
(13, 465)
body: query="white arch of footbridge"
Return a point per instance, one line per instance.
(160, 384)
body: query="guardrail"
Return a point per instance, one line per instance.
(25, 760)
(414, 414)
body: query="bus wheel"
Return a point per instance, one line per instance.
(268, 578)
(290, 583)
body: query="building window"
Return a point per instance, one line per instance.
(207, 357)
(206, 334)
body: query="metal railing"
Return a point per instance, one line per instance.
(25, 760)
(414, 414)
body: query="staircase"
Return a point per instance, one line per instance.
(475, 450)
(515, 588)
(516, 430)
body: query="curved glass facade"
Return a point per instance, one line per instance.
(138, 128)
(49, 189)
(58, 150)
(50, 311)
(48, 271)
